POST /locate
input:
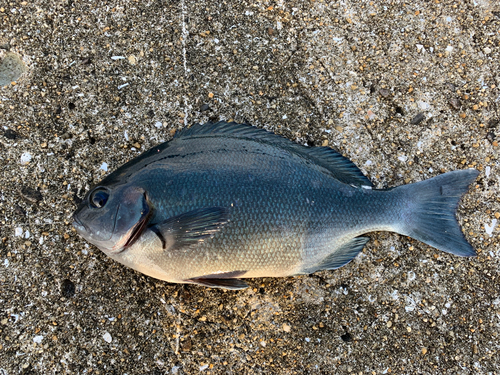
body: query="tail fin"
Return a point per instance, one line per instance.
(431, 217)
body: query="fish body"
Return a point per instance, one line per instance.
(225, 201)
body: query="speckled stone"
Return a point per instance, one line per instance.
(99, 79)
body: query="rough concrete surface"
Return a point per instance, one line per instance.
(405, 90)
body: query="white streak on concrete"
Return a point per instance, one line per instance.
(185, 35)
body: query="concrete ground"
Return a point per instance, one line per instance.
(405, 90)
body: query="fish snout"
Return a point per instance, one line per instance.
(78, 225)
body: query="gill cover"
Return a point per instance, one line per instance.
(112, 219)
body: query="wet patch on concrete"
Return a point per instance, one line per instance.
(11, 68)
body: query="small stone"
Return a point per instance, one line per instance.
(19, 210)
(107, 337)
(389, 324)
(270, 31)
(424, 351)
(487, 50)
(132, 60)
(346, 337)
(187, 345)
(417, 119)
(204, 107)
(384, 93)
(10, 134)
(210, 95)
(325, 143)
(25, 158)
(38, 339)
(455, 103)
(31, 195)
(450, 86)
(67, 288)
(286, 327)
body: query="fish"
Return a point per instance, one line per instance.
(222, 202)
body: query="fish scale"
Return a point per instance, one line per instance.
(221, 202)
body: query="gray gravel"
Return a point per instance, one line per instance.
(406, 91)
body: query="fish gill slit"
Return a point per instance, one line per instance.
(160, 236)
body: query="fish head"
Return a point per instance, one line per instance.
(113, 218)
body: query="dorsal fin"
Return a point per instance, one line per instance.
(339, 167)
(121, 174)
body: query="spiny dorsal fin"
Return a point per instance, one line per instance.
(339, 167)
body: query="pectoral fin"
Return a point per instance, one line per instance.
(190, 227)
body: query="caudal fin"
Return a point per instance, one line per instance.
(431, 217)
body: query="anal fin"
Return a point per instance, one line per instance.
(341, 257)
(231, 284)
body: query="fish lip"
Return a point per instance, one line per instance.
(78, 225)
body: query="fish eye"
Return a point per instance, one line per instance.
(98, 198)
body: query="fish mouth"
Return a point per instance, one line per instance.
(78, 225)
